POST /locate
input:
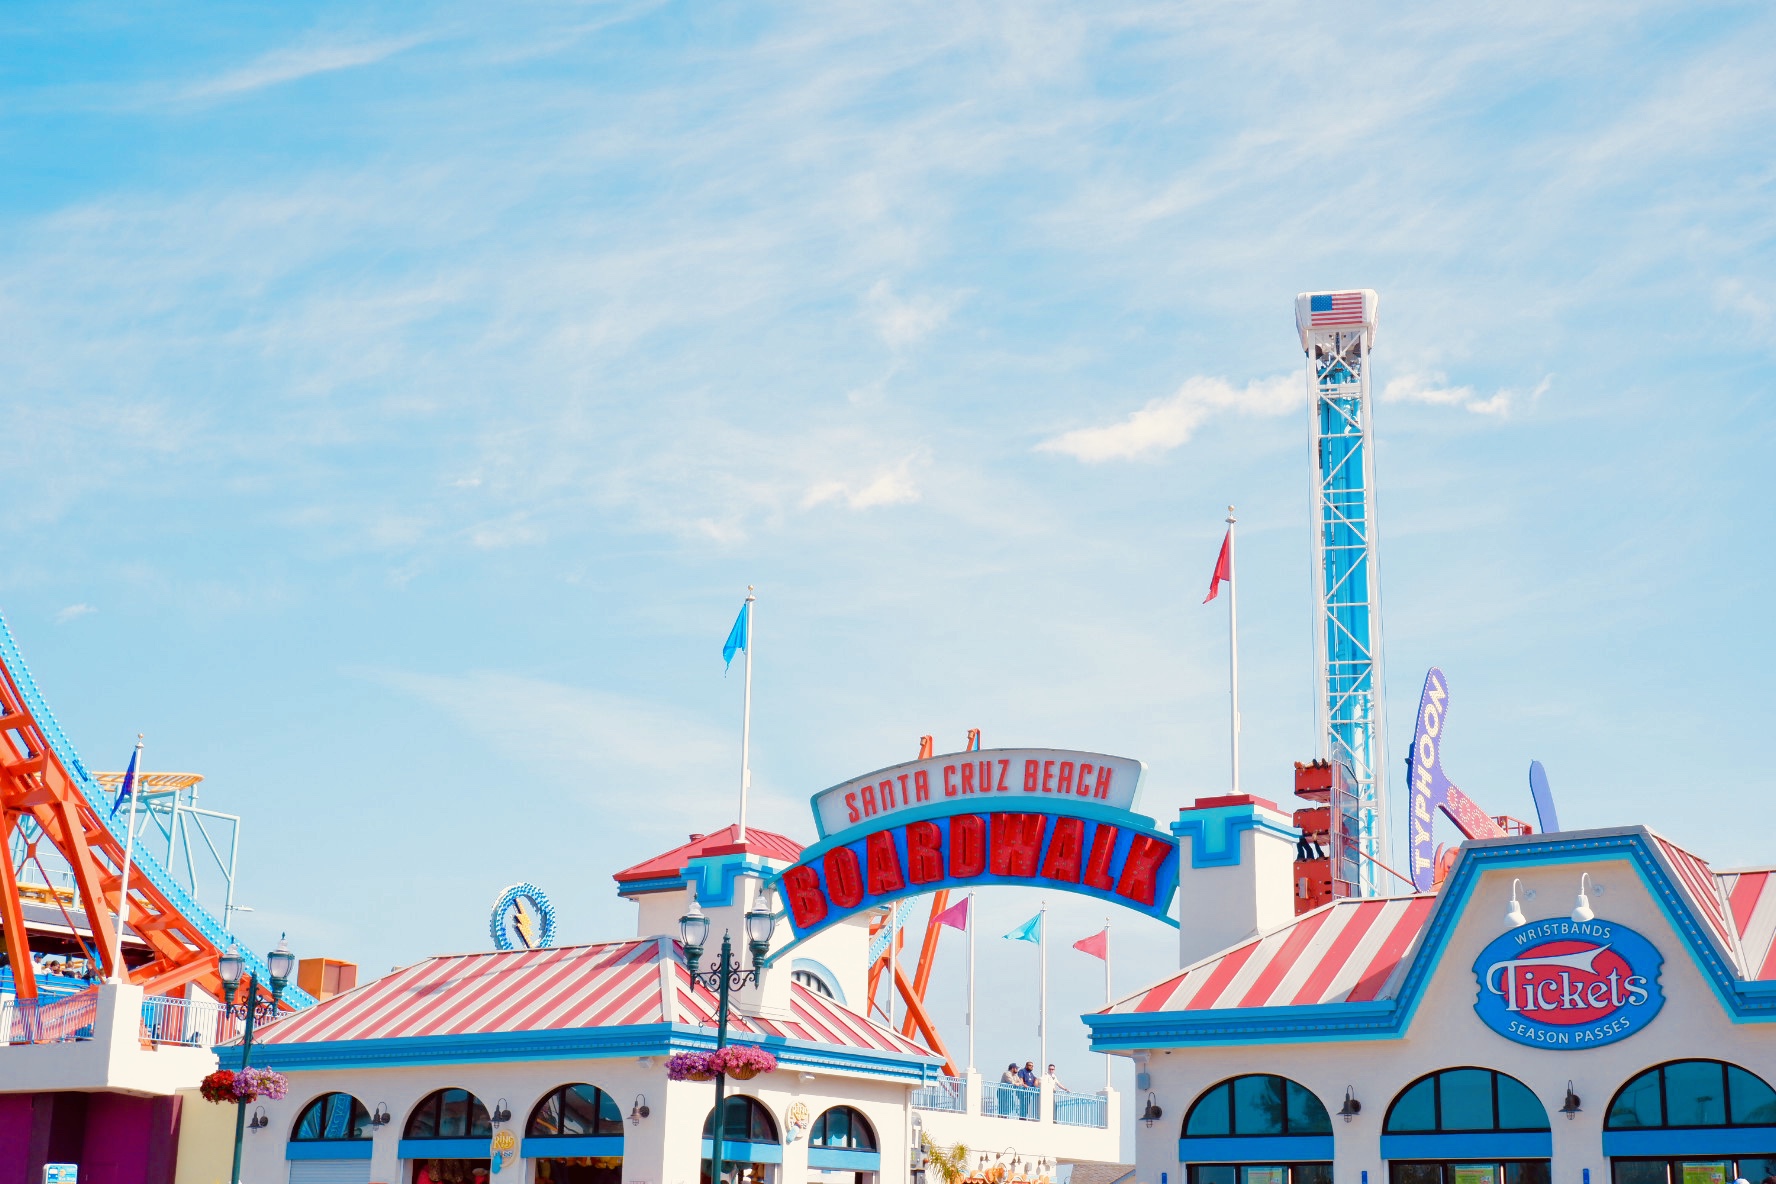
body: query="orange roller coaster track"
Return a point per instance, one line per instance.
(42, 779)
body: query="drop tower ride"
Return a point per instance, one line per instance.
(1337, 333)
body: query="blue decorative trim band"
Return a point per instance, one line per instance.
(1470, 1145)
(1702, 1141)
(553, 1146)
(329, 1149)
(1255, 1149)
(481, 1148)
(734, 1151)
(844, 1159)
(1215, 832)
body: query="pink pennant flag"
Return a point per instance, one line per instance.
(956, 916)
(1097, 945)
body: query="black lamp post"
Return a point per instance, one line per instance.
(279, 962)
(693, 931)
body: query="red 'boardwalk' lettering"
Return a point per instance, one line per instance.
(1063, 849)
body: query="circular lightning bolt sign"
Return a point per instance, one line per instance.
(523, 919)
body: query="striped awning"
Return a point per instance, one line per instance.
(1349, 951)
(593, 986)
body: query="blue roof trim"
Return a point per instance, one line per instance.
(1744, 1002)
(633, 1040)
(1255, 1149)
(1470, 1145)
(1716, 1140)
(1215, 832)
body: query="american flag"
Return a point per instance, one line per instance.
(1336, 308)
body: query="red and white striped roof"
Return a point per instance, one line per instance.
(1751, 897)
(1349, 951)
(595, 986)
(1701, 887)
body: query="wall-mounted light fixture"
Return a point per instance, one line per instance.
(1570, 1107)
(258, 1122)
(1514, 915)
(1152, 1113)
(1582, 907)
(1351, 1107)
(500, 1113)
(638, 1110)
(381, 1115)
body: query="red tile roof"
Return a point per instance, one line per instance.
(723, 842)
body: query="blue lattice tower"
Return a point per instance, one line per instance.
(1337, 332)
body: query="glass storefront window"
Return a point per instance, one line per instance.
(1261, 1105)
(1519, 1171)
(1211, 1116)
(1695, 1094)
(1465, 1102)
(1754, 1102)
(1416, 1109)
(1637, 1105)
(1258, 1105)
(1692, 1094)
(1260, 1173)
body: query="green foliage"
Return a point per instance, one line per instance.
(950, 1164)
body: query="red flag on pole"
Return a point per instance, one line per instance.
(956, 916)
(1223, 567)
(1097, 945)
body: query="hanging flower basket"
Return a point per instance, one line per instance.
(248, 1085)
(744, 1061)
(691, 1066)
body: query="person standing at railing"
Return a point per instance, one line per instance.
(1033, 1099)
(1055, 1082)
(1008, 1095)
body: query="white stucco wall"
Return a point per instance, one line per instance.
(1446, 1032)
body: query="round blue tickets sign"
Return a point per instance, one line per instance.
(1565, 984)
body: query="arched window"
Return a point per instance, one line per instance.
(574, 1112)
(332, 1118)
(1465, 1101)
(843, 1128)
(747, 1122)
(812, 981)
(1692, 1094)
(449, 1114)
(1260, 1104)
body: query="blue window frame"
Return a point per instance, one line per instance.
(1259, 1104)
(1692, 1094)
(1465, 1101)
(574, 1112)
(332, 1118)
(844, 1128)
(449, 1114)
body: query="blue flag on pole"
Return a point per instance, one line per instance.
(737, 635)
(1030, 930)
(129, 782)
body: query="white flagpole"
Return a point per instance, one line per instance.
(746, 710)
(893, 934)
(129, 846)
(971, 982)
(1233, 651)
(1042, 996)
(1107, 999)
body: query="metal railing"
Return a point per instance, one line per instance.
(950, 1093)
(40, 1021)
(197, 1022)
(1012, 1101)
(1082, 1109)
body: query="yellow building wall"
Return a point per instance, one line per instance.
(206, 1141)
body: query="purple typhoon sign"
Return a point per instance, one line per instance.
(1430, 788)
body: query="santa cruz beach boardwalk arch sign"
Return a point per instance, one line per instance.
(1031, 816)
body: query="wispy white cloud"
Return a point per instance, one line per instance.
(297, 62)
(73, 613)
(905, 322)
(1165, 424)
(892, 486)
(1434, 389)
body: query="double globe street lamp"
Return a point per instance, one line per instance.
(693, 931)
(279, 963)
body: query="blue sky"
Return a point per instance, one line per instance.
(399, 400)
